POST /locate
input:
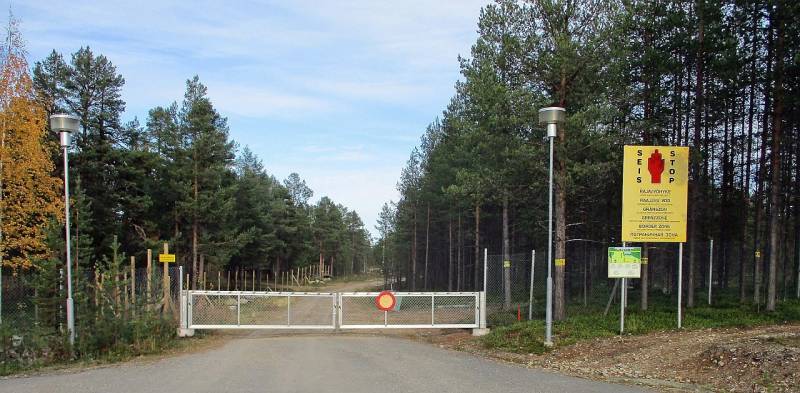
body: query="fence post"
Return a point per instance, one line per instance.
(530, 291)
(485, 267)
(711, 268)
(433, 297)
(289, 309)
(149, 277)
(133, 284)
(481, 305)
(183, 329)
(238, 309)
(165, 282)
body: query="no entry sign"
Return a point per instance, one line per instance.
(385, 301)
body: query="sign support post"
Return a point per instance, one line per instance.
(624, 263)
(680, 282)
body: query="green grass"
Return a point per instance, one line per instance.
(584, 323)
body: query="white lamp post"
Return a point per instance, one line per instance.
(552, 117)
(65, 125)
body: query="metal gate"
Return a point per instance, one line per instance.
(259, 310)
(357, 310)
(328, 310)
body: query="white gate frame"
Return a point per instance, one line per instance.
(187, 325)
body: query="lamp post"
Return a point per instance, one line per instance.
(65, 125)
(552, 117)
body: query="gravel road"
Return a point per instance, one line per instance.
(313, 363)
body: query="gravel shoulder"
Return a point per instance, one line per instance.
(741, 360)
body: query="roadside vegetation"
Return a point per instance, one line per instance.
(585, 323)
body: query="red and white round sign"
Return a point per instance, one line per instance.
(385, 301)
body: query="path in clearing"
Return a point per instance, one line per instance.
(314, 363)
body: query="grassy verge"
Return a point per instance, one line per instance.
(108, 342)
(588, 322)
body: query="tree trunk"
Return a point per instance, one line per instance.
(450, 255)
(777, 178)
(414, 252)
(477, 282)
(321, 263)
(460, 265)
(697, 189)
(202, 270)
(559, 311)
(746, 188)
(194, 225)
(506, 258)
(762, 172)
(427, 245)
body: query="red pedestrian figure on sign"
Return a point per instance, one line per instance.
(655, 165)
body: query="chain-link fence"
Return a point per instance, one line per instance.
(30, 300)
(509, 288)
(587, 284)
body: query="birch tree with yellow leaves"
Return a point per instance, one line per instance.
(29, 192)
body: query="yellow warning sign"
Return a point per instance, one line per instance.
(561, 261)
(166, 258)
(655, 183)
(506, 263)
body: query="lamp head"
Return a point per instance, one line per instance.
(552, 116)
(65, 125)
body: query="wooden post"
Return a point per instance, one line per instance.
(149, 277)
(228, 284)
(125, 299)
(254, 280)
(219, 280)
(133, 284)
(165, 281)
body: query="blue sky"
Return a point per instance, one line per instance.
(338, 91)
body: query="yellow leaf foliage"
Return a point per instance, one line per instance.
(29, 193)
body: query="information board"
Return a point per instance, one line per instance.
(624, 262)
(654, 193)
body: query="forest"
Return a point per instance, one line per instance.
(719, 76)
(176, 177)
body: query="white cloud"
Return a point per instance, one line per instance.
(261, 102)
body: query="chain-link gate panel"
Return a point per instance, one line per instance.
(261, 310)
(412, 310)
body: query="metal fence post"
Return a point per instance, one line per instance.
(710, 268)
(337, 309)
(485, 267)
(433, 297)
(482, 302)
(238, 309)
(289, 309)
(530, 291)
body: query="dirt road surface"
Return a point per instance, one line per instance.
(313, 363)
